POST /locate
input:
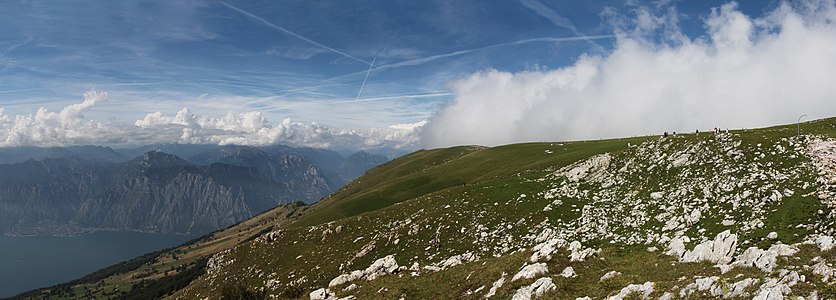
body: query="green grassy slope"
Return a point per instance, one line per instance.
(488, 205)
(428, 171)
(489, 202)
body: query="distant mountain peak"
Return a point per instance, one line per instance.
(159, 159)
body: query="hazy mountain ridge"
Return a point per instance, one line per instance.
(79, 189)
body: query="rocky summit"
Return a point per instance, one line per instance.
(743, 214)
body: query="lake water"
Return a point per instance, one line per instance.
(27, 263)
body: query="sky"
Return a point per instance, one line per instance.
(405, 74)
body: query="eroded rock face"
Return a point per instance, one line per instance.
(765, 260)
(714, 286)
(720, 250)
(590, 167)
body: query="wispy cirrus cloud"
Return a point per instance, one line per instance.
(291, 33)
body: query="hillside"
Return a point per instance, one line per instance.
(747, 214)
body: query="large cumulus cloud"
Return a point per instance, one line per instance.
(743, 72)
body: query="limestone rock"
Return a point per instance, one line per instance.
(536, 289)
(382, 266)
(720, 250)
(609, 275)
(644, 289)
(496, 285)
(531, 271)
(568, 272)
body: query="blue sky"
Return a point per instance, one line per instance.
(305, 60)
(432, 73)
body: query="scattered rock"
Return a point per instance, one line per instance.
(531, 271)
(609, 275)
(720, 250)
(536, 289)
(322, 294)
(496, 285)
(568, 272)
(383, 266)
(644, 289)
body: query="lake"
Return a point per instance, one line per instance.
(27, 263)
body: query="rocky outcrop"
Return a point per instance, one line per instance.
(531, 271)
(380, 267)
(720, 250)
(766, 260)
(535, 290)
(642, 289)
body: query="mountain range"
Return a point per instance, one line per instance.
(60, 191)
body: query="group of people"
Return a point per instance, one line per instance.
(714, 131)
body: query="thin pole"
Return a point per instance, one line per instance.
(798, 125)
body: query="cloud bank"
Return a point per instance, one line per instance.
(743, 72)
(71, 127)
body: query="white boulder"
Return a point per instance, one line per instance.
(720, 250)
(531, 271)
(534, 290)
(568, 272)
(644, 289)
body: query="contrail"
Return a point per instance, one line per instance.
(366, 78)
(427, 59)
(282, 29)
(394, 97)
(560, 21)
(423, 60)
(286, 105)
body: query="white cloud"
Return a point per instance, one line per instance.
(253, 128)
(71, 127)
(743, 72)
(46, 128)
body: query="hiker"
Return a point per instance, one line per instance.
(665, 135)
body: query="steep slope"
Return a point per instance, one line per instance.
(167, 194)
(746, 214)
(43, 196)
(357, 164)
(155, 192)
(299, 178)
